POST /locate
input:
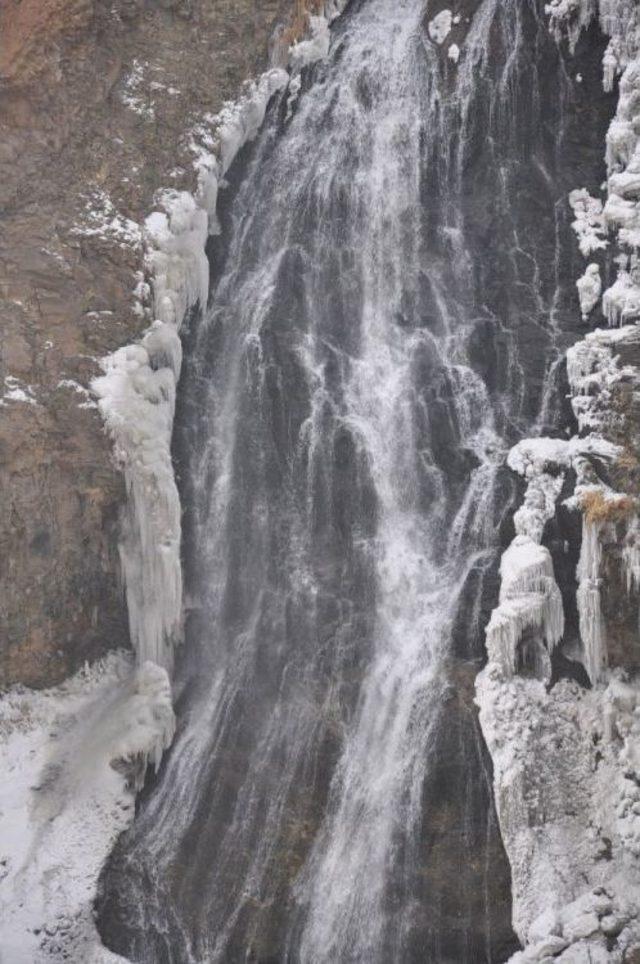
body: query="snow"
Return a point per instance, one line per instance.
(88, 401)
(132, 93)
(73, 757)
(440, 27)
(102, 220)
(453, 53)
(593, 370)
(621, 302)
(15, 390)
(570, 16)
(565, 776)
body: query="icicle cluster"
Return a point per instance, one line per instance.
(530, 601)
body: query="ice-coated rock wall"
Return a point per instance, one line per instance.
(565, 752)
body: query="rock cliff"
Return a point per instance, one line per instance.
(101, 106)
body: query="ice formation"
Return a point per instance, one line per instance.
(137, 390)
(589, 289)
(588, 599)
(73, 757)
(588, 223)
(566, 759)
(530, 603)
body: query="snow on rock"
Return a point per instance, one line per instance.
(132, 94)
(570, 16)
(316, 46)
(593, 370)
(440, 27)
(589, 289)
(15, 390)
(103, 221)
(72, 758)
(84, 393)
(530, 602)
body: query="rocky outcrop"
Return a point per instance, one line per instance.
(102, 104)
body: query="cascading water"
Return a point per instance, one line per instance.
(392, 254)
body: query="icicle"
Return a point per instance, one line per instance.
(588, 599)
(529, 600)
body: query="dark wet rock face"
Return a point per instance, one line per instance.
(396, 286)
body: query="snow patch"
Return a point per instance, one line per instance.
(102, 220)
(15, 390)
(72, 758)
(132, 93)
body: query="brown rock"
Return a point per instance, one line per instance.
(95, 96)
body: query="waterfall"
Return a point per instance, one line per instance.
(393, 252)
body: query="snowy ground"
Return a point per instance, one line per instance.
(72, 758)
